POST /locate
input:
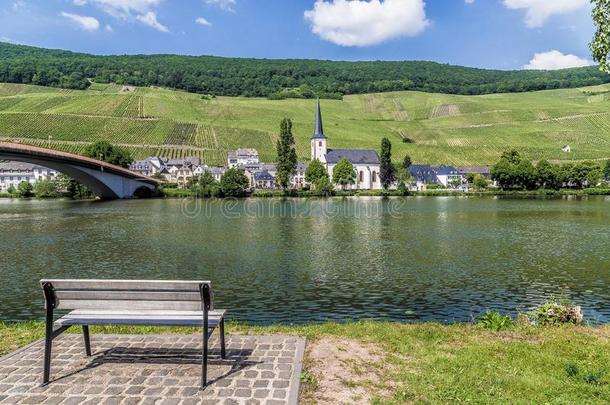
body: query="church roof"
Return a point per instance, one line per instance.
(318, 132)
(355, 156)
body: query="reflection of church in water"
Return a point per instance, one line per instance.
(365, 161)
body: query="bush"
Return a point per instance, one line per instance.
(554, 312)
(495, 321)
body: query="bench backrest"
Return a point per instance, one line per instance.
(128, 294)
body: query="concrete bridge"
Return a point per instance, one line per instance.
(107, 181)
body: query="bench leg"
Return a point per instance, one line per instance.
(48, 345)
(204, 358)
(223, 351)
(87, 340)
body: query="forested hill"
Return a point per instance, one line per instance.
(273, 78)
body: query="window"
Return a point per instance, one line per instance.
(320, 144)
(361, 177)
(374, 177)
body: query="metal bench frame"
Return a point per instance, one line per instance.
(51, 303)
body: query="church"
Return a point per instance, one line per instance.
(365, 161)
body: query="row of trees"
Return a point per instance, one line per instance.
(273, 78)
(233, 183)
(514, 173)
(60, 186)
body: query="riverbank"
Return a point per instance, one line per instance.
(429, 362)
(185, 193)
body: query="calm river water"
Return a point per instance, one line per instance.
(411, 259)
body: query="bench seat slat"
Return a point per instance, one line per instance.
(124, 295)
(136, 305)
(182, 318)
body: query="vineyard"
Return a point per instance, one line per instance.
(432, 128)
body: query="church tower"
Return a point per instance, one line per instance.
(318, 140)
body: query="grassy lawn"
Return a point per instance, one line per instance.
(433, 363)
(440, 128)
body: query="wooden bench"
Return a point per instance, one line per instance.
(131, 302)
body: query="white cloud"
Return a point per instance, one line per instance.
(143, 11)
(469, 1)
(84, 22)
(150, 19)
(122, 8)
(109, 28)
(364, 23)
(202, 21)
(19, 4)
(538, 11)
(227, 5)
(553, 60)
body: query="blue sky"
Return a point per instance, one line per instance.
(503, 34)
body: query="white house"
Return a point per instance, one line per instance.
(242, 157)
(13, 173)
(365, 161)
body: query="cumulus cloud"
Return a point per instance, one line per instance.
(228, 5)
(122, 8)
(553, 60)
(538, 11)
(84, 22)
(364, 23)
(129, 10)
(150, 19)
(202, 21)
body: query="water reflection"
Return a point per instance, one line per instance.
(291, 260)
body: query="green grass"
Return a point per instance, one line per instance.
(442, 128)
(439, 364)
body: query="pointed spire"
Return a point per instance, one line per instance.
(319, 129)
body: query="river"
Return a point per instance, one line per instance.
(296, 261)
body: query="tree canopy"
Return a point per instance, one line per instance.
(274, 78)
(344, 173)
(286, 155)
(234, 183)
(387, 171)
(107, 152)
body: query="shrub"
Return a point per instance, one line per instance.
(555, 312)
(495, 321)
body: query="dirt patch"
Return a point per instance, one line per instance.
(346, 371)
(445, 110)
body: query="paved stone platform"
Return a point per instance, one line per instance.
(155, 369)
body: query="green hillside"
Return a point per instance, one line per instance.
(432, 128)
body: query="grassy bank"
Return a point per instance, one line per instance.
(431, 363)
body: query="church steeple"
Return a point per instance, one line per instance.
(319, 129)
(318, 140)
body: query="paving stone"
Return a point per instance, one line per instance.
(154, 369)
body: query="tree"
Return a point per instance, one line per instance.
(407, 163)
(234, 183)
(316, 174)
(547, 175)
(343, 173)
(478, 181)
(607, 170)
(206, 186)
(45, 189)
(286, 155)
(24, 189)
(504, 173)
(387, 173)
(105, 151)
(525, 175)
(600, 45)
(512, 156)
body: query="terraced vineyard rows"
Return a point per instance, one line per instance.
(441, 128)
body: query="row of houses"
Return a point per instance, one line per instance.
(13, 173)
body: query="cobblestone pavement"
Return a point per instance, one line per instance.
(155, 369)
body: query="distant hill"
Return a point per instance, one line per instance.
(431, 128)
(287, 78)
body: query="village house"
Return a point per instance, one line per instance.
(446, 176)
(242, 158)
(173, 170)
(366, 162)
(263, 180)
(13, 173)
